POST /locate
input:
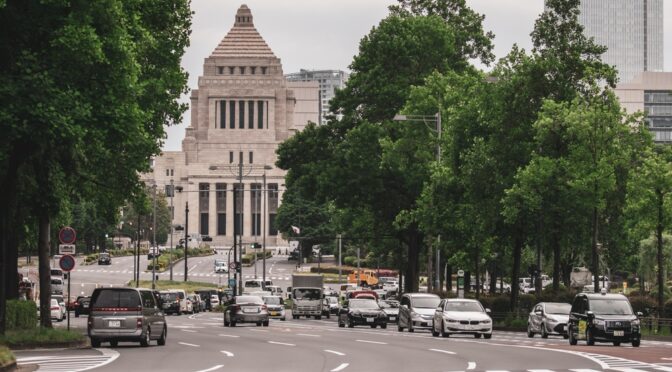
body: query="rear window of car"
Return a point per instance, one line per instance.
(169, 296)
(252, 283)
(56, 282)
(116, 298)
(249, 300)
(56, 272)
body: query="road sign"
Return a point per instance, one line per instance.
(66, 249)
(67, 262)
(67, 235)
(460, 272)
(232, 282)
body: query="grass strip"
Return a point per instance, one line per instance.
(40, 337)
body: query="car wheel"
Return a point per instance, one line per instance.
(114, 343)
(410, 326)
(373, 326)
(478, 335)
(590, 340)
(265, 323)
(258, 324)
(617, 343)
(95, 342)
(340, 324)
(443, 332)
(530, 334)
(570, 336)
(164, 335)
(635, 343)
(283, 318)
(544, 333)
(319, 317)
(435, 333)
(145, 339)
(232, 324)
(383, 326)
(400, 328)
(328, 315)
(295, 316)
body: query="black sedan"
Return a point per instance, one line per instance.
(104, 259)
(362, 311)
(82, 305)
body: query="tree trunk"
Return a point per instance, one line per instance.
(413, 262)
(3, 261)
(515, 272)
(430, 271)
(659, 246)
(478, 271)
(594, 259)
(45, 269)
(556, 260)
(493, 278)
(11, 268)
(449, 278)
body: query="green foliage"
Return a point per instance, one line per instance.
(644, 304)
(667, 309)
(40, 337)
(6, 357)
(21, 315)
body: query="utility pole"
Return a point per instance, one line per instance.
(172, 215)
(155, 248)
(137, 256)
(186, 238)
(263, 226)
(340, 259)
(239, 257)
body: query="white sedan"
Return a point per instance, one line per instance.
(461, 316)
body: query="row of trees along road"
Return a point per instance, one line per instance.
(538, 156)
(87, 88)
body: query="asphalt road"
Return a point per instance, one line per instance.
(201, 343)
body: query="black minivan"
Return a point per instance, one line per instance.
(601, 317)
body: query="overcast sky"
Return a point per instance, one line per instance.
(325, 34)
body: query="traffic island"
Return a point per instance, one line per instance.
(43, 338)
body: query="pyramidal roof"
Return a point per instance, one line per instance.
(243, 40)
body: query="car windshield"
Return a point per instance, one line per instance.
(426, 302)
(333, 300)
(464, 306)
(363, 304)
(103, 255)
(560, 309)
(272, 300)
(56, 282)
(252, 283)
(117, 298)
(249, 300)
(388, 305)
(610, 307)
(169, 296)
(307, 294)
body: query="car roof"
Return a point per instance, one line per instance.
(600, 296)
(461, 300)
(429, 295)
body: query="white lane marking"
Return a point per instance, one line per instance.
(443, 351)
(227, 353)
(257, 330)
(666, 358)
(223, 335)
(188, 330)
(334, 352)
(212, 368)
(280, 343)
(71, 363)
(540, 370)
(583, 370)
(372, 342)
(188, 344)
(471, 365)
(307, 335)
(341, 367)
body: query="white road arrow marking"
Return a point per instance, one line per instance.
(227, 353)
(335, 352)
(212, 368)
(471, 365)
(341, 367)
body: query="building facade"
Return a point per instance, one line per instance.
(225, 173)
(329, 81)
(632, 30)
(651, 93)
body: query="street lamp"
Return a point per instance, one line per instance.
(264, 224)
(436, 119)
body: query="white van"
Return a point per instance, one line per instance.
(56, 272)
(56, 285)
(185, 303)
(254, 285)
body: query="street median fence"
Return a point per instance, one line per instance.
(249, 258)
(163, 261)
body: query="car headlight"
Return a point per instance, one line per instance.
(598, 322)
(486, 321)
(414, 314)
(635, 322)
(450, 320)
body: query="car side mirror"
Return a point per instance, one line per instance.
(538, 312)
(487, 310)
(590, 314)
(639, 314)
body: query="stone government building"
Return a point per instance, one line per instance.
(243, 108)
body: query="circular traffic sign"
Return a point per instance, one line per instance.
(460, 272)
(67, 262)
(67, 235)
(232, 265)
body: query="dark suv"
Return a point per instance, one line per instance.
(603, 317)
(104, 259)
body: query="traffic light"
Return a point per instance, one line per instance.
(255, 245)
(238, 267)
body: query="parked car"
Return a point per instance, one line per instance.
(247, 309)
(362, 311)
(548, 318)
(56, 285)
(61, 304)
(461, 316)
(601, 317)
(526, 285)
(333, 304)
(104, 259)
(214, 301)
(185, 303)
(416, 311)
(82, 305)
(126, 314)
(391, 309)
(171, 302)
(275, 306)
(55, 310)
(197, 303)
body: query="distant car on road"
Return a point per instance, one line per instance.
(247, 309)
(275, 306)
(56, 285)
(171, 302)
(461, 316)
(104, 259)
(214, 301)
(221, 267)
(82, 305)
(362, 311)
(548, 318)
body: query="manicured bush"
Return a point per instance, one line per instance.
(645, 305)
(21, 315)
(667, 309)
(561, 295)
(38, 337)
(526, 302)
(350, 260)
(6, 357)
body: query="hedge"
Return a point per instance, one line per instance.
(643, 304)
(163, 261)
(667, 309)
(21, 314)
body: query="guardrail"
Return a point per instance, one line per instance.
(656, 326)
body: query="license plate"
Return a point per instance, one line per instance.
(274, 313)
(114, 323)
(393, 318)
(564, 328)
(619, 333)
(369, 320)
(250, 311)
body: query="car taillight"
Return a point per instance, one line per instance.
(55, 308)
(264, 307)
(138, 323)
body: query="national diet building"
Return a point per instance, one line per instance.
(241, 111)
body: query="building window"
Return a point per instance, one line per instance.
(220, 70)
(272, 208)
(222, 114)
(232, 114)
(241, 114)
(242, 70)
(253, 70)
(263, 70)
(230, 157)
(220, 200)
(250, 114)
(203, 207)
(260, 114)
(167, 172)
(172, 172)
(251, 157)
(256, 208)
(232, 70)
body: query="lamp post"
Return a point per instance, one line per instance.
(264, 224)
(437, 121)
(155, 248)
(172, 216)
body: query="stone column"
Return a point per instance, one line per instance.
(230, 218)
(247, 208)
(212, 210)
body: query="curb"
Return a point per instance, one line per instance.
(57, 345)
(8, 367)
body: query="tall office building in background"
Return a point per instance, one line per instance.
(632, 30)
(329, 81)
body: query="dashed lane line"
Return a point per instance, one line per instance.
(188, 344)
(281, 343)
(307, 335)
(372, 342)
(212, 368)
(232, 336)
(341, 367)
(227, 353)
(188, 330)
(443, 351)
(335, 352)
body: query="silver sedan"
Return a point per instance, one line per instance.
(548, 318)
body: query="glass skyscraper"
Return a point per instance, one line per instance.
(632, 30)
